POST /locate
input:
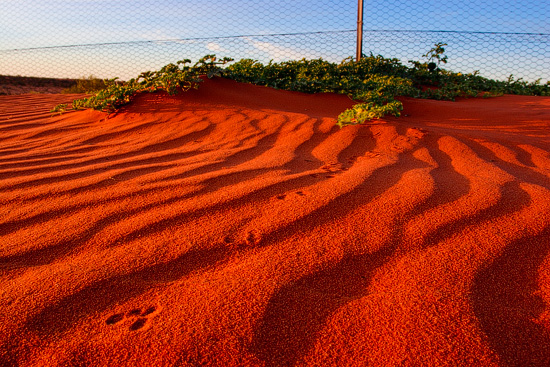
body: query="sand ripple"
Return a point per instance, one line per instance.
(237, 226)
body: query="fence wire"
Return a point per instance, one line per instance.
(108, 38)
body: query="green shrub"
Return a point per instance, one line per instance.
(171, 78)
(373, 81)
(86, 85)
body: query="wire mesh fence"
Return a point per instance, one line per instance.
(108, 38)
(496, 37)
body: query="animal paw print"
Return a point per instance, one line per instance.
(252, 238)
(351, 159)
(372, 154)
(113, 319)
(137, 316)
(331, 169)
(138, 324)
(284, 196)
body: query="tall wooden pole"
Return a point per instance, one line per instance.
(359, 30)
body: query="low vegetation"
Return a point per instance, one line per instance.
(16, 84)
(90, 84)
(172, 78)
(373, 81)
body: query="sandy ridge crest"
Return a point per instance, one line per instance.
(235, 225)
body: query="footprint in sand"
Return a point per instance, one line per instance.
(138, 316)
(284, 196)
(113, 319)
(138, 324)
(352, 159)
(252, 238)
(134, 312)
(331, 169)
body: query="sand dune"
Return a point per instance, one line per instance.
(236, 225)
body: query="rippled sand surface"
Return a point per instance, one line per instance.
(236, 225)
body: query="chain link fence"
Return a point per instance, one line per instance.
(108, 38)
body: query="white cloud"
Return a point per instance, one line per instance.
(213, 46)
(280, 53)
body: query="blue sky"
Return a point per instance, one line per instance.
(26, 24)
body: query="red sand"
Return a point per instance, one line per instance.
(238, 226)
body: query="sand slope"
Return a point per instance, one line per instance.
(237, 226)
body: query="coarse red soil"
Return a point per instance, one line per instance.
(236, 225)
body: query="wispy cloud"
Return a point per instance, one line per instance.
(213, 46)
(280, 53)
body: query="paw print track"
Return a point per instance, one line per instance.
(134, 312)
(137, 316)
(149, 311)
(284, 196)
(138, 324)
(113, 319)
(252, 238)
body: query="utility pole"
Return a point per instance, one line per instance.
(359, 30)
